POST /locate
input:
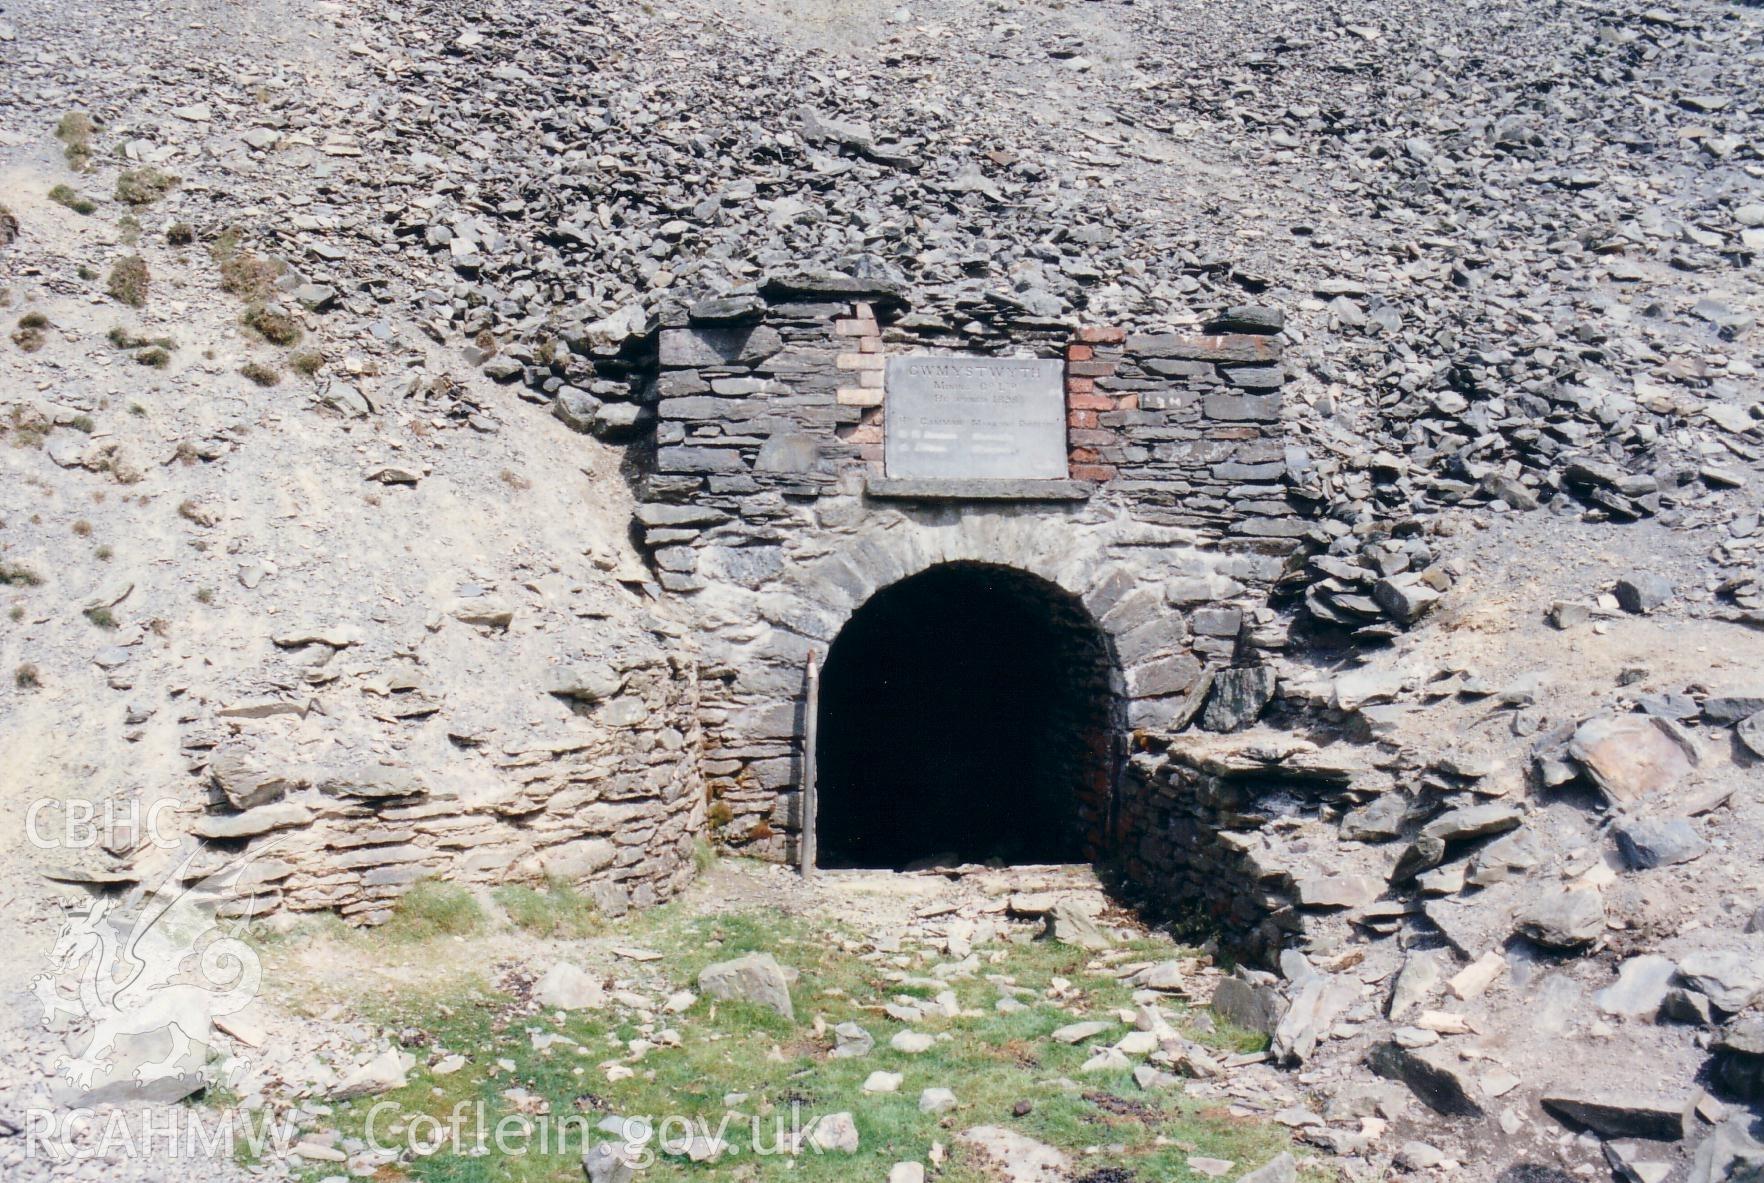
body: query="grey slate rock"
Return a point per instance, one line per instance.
(699, 460)
(1643, 591)
(1473, 821)
(1433, 1074)
(1731, 708)
(1405, 597)
(1250, 1001)
(589, 681)
(789, 453)
(314, 297)
(834, 285)
(1254, 377)
(1732, 979)
(1423, 854)
(576, 408)
(1239, 408)
(1640, 989)
(1647, 843)
(1612, 1115)
(621, 421)
(1729, 1155)
(1069, 924)
(1507, 857)
(820, 128)
(608, 1162)
(1560, 919)
(852, 1040)
(754, 977)
(1415, 983)
(709, 347)
(722, 309)
(1677, 707)
(1684, 1005)
(1250, 318)
(1238, 697)
(503, 368)
(1739, 1059)
(1282, 1168)
(1750, 731)
(261, 820)
(1379, 820)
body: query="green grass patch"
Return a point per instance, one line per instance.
(75, 125)
(307, 362)
(27, 429)
(249, 276)
(13, 575)
(555, 910)
(75, 133)
(1002, 1066)
(144, 186)
(32, 332)
(261, 374)
(73, 199)
(432, 908)
(146, 351)
(273, 323)
(129, 281)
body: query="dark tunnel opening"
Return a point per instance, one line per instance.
(966, 715)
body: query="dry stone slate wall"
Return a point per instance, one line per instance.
(612, 803)
(769, 507)
(1219, 833)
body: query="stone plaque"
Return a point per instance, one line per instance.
(998, 418)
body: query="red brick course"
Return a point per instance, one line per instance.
(1085, 434)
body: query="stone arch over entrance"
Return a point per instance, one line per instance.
(969, 711)
(1121, 576)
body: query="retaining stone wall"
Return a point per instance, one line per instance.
(614, 805)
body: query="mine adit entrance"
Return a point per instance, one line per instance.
(966, 713)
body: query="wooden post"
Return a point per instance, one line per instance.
(810, 723)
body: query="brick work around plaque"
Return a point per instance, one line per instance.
(1092, 354)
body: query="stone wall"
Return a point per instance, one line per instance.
(613, 804)
(768, 506)
(1217, 833)
(765, 509)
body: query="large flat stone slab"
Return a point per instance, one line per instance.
(959, 489)
(1001, 418)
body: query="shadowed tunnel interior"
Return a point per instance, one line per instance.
(966, 714)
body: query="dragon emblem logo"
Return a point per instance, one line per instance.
(151, 970)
